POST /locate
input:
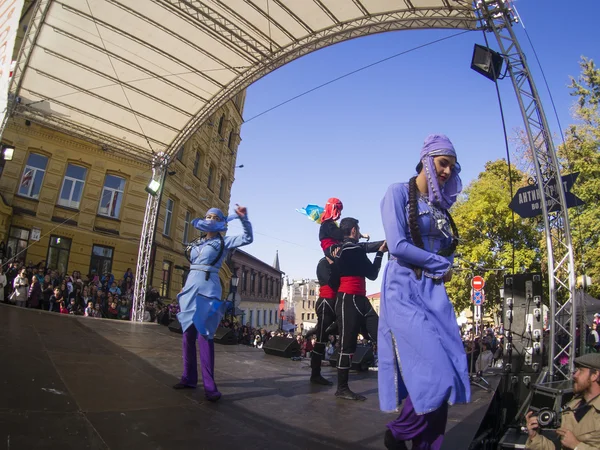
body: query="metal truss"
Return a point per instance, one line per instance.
(454, 18)
(497, 17)
(159, 170)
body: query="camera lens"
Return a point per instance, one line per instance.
(545, 417)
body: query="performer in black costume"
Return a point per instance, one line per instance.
(353, 309)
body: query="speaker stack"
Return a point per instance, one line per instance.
(175, 326)
(361, 360)
(282, 346)
(225, 336)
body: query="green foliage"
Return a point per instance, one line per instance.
(487, 236)
(580, 153)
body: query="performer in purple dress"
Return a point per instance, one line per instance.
(421, 357)
(200, 299)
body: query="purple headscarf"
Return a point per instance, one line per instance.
(438, 145)
(213, 225)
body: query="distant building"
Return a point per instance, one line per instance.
(375, 300)
(301, 297)
(258, 292)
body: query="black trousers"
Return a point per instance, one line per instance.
(354, 314)
(325, 309)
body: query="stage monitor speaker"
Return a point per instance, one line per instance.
(523, 323)
(175, 326)
(225, 336)
(282, 346)
(362, 359)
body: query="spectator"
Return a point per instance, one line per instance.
(123, 310)
(485, 359)
(112, 310)
(34, 296)
(3, 281)
(63, 308)
(21, 285)
(89, 311)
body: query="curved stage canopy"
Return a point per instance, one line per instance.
(140, 76)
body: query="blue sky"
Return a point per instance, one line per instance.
(355, 137)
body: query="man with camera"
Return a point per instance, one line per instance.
(580, 421)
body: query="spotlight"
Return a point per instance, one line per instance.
(7, 152)
(153, 187)
(487, 62)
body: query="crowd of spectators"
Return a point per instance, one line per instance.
(92, 295)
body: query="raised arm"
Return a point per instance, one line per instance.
(241, 239)
(395, 226)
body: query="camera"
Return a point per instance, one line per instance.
(548, 418)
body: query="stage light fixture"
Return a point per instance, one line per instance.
(8, 152)
(153, 187)
(487, 62)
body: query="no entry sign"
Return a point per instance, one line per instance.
(477, 283)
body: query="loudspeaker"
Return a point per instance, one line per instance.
(523, 323)
(282, 346)
(225, 336)
(361, 360)
(175, 326)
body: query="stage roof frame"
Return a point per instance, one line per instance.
(139, 77)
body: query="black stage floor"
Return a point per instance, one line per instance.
(80, 383)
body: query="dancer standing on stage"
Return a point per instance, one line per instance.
(353, 309)
(421, 356)
(200, 299)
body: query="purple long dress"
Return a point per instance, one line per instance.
(419, 347)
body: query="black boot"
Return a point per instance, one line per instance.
(315, 366)
(343, 391)
(392, 443)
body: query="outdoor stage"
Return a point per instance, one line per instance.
(80, 383)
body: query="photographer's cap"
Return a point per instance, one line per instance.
(591, 361)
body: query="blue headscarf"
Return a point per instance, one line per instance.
(440, 145)
(213, 226)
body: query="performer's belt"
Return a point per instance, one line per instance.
(206, 269)
(326, 292)
(353, 285)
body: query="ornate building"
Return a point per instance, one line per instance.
(258, 291)
(74, 205)
(301, 297)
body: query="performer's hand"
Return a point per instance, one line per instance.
(241, 210)
(329, 260)
(567, 438)
(335, 253)
(532, 424)
(384, 247)
(448, 276)
(365, 236)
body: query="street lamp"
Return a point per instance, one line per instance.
(234, 284)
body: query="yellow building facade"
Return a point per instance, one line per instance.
(75, 206)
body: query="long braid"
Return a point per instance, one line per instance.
(415, 233)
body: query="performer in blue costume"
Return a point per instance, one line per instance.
(200, 299)
(421, 356)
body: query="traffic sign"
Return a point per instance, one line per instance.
(478, 297)
(477, 283)
(527, 202)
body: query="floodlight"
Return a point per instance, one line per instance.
(487, 62)
(153, 187)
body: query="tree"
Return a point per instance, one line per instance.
(487, 236)
(580, 153)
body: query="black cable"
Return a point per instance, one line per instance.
(354, 72)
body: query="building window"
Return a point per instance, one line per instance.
(270, 317)
(272, 287)
(230, 140)
(33, 176)
(303, 303)
(17, 243)
(186, 227)
(72, 188)
(265, 317)
(197, 164)
(302, 316)
(252, 281)
(251, 318)
(258, 317)
(168, 217)
(165, 282)
(58, 254)
(244, 280)
(222, 188)
(112, 196)
(180, 153)
(313, 315)
(211, 175)
(101, 261)
(221, 123)
(260, 284)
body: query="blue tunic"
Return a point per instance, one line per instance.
(200, 299)
(419, 346)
